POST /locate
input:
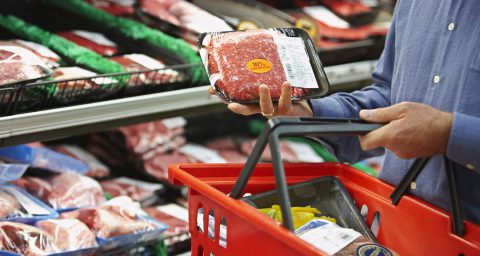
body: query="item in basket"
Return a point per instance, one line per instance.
(65, 191)
(116, 217)
(68, 234)
(335, 240)
(115, 7)
(184, 14)
(97, 168)
(148, 68)
(25, 240)
(300, 215)
(239, 62)
(135, 189)
(17, 64)
(94, 41)
(176, 217)
(49, 58)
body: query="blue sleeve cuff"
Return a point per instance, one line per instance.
(464, 141)
(327, 107)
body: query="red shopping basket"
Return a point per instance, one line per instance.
(414, 227)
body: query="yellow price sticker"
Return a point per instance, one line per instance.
(259, 65)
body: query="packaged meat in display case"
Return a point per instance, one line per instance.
(19, 65)
(65, 191)
(50, 58)
(97, 168)
(25, 240)
(237, 63)
(68, 234)
(123, 8)
(176, 217)
(92, 40)
(135, 189)
(291, 151)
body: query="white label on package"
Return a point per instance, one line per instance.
(330, 238)
(326, 16)
(202, 154)
(174, 122)
(145, 61)
(42, 50)
(175, 211)
(295, 61)
(94, 37)
(304, 152)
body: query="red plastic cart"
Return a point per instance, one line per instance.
(413, 227)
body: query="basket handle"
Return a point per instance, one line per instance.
(291, 126)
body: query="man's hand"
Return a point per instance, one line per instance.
(411, 130)
(285, 107)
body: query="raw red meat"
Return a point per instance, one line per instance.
(19, 64)
(115, 7)
(9, 205)
(177, 228)
(91, 40)
(24, 239)
(97, 168)
(222, 143)
(228, 55)
(135, 189)
(153, 71)
(232, 156)
(287, 154)
(66, 190)
(157, 166)
(346, 8)
(68, 234)
(49, 58)
(111, 219)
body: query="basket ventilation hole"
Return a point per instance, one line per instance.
(461, 254)
(211, 225)
(223, 232)
(375, 223)
(211, 254)
(364, 211)
(200, 219)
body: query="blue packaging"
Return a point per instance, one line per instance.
(11, 172)
(131, 240)
(79, 252)
(45, 158)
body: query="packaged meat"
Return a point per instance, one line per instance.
(184, 14)
(237, 63)
(94, 41)
(49, 58)
(291, 151)
(68, 234)
(67, 73)
(201, 154)
(65, 191)
(135, 189)
(115, 7)
(41, 157)
(335, 240)
(151, 71)
(157, 166)
(19, 206)
(25, 240)
(17, 64)
(11, 172)
(119, 222)
(176, 217)
(97, 169)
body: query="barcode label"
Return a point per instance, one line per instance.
(295, 61)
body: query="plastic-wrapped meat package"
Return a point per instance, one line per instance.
(176, 217)
(153, 70)
(68, 234)
(94, 41)
(64, 73)
(227, 148)
(115, 7)
(184, 14)
(9, 205)
(239, 62)
(25, 240)
(18, 64)
(49, 58)
(135, 189)
(232, 156)
(287, 154)
(66, 190)
(157, 166)
(222, 143)
(115, 218)
(97, 168)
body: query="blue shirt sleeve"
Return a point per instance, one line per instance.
(464, 141)
(348, 105)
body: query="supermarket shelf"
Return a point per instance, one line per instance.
(81, 119)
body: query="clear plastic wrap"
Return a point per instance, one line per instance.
(68, 234)
(97, 168)
(135, 189)
(239, 62)
(25, 240)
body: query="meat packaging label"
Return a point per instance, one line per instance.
(202, 154)
(42, 50)
(95, 37)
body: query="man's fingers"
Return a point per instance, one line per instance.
(285, 101)
(386, 115)
(375, 139)
(266, 104)
(244, 109)
(211, 91)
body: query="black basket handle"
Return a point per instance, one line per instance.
(290, 126)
